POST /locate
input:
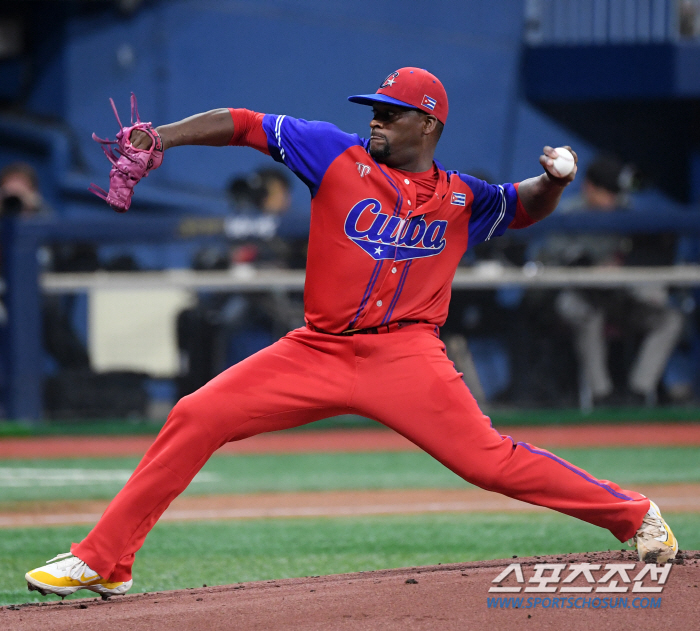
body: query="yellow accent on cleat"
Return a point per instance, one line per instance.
(655, 540)
(69, 575)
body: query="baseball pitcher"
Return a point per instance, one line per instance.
(389, 225)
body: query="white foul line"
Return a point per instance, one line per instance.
(37, 477)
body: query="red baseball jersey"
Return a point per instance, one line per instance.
(384, 245)
(377, 254)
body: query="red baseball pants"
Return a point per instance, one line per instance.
(402, 379)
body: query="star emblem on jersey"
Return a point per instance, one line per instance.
(390, 237)
(390, 80)
(363, 169)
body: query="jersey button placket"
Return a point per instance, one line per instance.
(405, 212)
(409, 195)
(387, 290)
(410, 192)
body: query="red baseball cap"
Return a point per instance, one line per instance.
(410, 87)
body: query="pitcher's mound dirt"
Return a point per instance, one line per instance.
(447, 597)
(353, 440)
(25, 514)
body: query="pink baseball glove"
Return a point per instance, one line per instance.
(131, 164)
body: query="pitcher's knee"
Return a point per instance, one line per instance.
(196, 413)
(487, 475)
(184, 412)
(183, 421)
(488, 479)
(489, 469)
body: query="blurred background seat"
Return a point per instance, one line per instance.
(616, 80)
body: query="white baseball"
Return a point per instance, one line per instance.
(564, 162)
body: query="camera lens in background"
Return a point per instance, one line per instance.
(12, 205)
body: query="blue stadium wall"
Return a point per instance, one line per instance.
(301, 58)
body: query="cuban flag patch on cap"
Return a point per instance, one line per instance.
(459, 199)
(428, 102)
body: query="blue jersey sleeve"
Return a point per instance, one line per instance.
(493, 209)
(307, 147)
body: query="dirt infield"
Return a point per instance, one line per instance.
(448, 597)
(627, 435)
(672, 497)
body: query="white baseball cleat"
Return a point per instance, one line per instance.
(654, 539)
(69, 575)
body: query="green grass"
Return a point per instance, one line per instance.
(318, 472)
(177, 556)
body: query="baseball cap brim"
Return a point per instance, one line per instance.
(369, 99)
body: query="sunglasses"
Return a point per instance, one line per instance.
(389, 115)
